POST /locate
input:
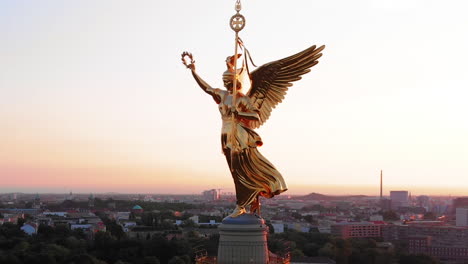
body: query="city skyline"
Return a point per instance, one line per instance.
(95, 98)
(337, 190)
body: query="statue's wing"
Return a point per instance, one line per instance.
(271, 81)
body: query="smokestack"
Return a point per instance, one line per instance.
(381, 184)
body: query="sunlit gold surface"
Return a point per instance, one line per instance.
(252, 173)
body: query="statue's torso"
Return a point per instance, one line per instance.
(244, 135)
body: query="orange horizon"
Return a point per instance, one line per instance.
(177, 189)
(167, 180)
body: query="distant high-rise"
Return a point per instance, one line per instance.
(462, 217)
(399, 199)
(91, 200)
(211, 195)
(423, 201)
(70, 197)
(37, 202)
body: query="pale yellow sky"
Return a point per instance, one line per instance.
(94, 97)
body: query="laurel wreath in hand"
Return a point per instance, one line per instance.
(184, 60)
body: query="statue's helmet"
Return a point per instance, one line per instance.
(230, 60)
(228, 75)
(228, 79)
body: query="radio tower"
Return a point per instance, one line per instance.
(381, 178)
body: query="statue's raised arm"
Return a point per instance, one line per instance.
(204, 85)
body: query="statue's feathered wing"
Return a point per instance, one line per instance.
(271, 81)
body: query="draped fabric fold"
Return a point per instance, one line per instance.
(252, 173)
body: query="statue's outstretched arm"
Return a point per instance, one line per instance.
(204, 85)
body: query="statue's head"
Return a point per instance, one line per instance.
(228, 75)
(228, 80)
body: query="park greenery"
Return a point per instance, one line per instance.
(58, 244)
(61, 245)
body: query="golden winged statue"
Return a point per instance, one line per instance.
(253, 174)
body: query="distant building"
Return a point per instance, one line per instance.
(376, 217)
(461, 215)
(211, 195)
(137, 209)
(91, 200)
(419, 244)
(90, 229)
(60, 214)
(298, 226)
(195, 219)
(385, 204)
(148, 198)
(29, 228)
(459, 203)
(278, 227)
(127, 225)
(399, 199)
(29, 211)
(446, 253)
(423, 201)
(37, 202)
(43, 220)
(357, 229)
(70, 197)
(122, 216)
(452, 236)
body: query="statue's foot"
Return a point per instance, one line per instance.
(255, 206)
(238, 211)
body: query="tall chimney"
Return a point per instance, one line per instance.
(381, 184)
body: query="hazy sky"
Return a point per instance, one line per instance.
(93, 95)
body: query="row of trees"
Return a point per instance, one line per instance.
(62, 245)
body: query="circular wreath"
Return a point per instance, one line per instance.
(190, 56)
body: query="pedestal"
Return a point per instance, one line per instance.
(243, 240)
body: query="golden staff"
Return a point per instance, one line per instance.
(237, 23)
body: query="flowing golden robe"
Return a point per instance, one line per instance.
(253, 174)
